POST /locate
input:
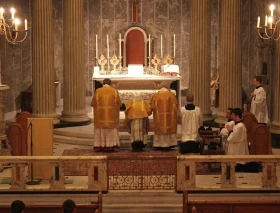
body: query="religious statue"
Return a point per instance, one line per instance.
(214, 85)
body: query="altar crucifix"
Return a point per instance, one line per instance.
(134, 11)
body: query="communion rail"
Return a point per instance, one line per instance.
(104, 173)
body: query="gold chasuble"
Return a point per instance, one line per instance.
(106, 103)
(136, 109)
(165, 105)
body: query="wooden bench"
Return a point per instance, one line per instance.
(229, 206)
(94, 207)
(258, 135)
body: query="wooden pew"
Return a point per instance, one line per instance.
(95, 207)
(17, 135)
(229, 206)
(258, 135)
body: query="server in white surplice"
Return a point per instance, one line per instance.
(237, 139)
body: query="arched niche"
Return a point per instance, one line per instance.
(135, 47)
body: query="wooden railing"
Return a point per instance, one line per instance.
(95, 207)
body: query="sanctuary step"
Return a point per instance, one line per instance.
(164, 201)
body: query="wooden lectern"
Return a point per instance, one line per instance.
(40, 143)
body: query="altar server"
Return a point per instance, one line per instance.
(258, 98)
(237, 139)
(224, 132)
(191, 119)
(106, 104)
(165, 106)
(136, 118)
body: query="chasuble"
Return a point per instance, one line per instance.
(106, 103)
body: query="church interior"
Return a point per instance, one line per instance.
(57, 55)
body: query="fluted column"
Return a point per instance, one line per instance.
(200, 66)
(275, 125)
(43, 79)
(74, 97)
(230, 58)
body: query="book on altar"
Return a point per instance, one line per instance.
(135, 69)
(170, 68)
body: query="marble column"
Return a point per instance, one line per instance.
(3, 137)
(74, 91)
(230, 58)
(275, 125)
(43, 80)
(200, 66)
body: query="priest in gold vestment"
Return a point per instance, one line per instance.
(137, 121)
(106, 104)
(165, 106)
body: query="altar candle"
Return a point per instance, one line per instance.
(149, 45)
(265, 23)
(174, 45)
(161, 46)
(96, 46)
(120, 45)
(108, 46)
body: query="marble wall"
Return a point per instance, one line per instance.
(113, 17)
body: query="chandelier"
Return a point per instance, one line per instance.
(10, 28)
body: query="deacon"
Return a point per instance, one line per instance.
(258, 101)
(106, 104)
(191, 119)
(165, 106)
(137, 121)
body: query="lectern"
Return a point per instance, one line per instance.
(40, 143)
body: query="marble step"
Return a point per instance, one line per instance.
(147, 201)
(143, 208)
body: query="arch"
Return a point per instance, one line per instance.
(135, 47)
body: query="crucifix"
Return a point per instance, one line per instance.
(134, 11)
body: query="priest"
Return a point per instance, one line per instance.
(106, 105)
(165, 106)
(137, 121)
(258, 101)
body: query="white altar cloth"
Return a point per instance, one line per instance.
(145, 85)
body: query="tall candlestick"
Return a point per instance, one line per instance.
(96, 46)
(25, 24)
(149, 45)
(174, 45)
(108, 48)
(120, 45)
(258, 23)
(161, 46)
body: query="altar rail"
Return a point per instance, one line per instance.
(152, 173)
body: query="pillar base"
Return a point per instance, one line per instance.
(74, 117)
(207, 116)
(275, 128)
(221, 118)
(53, 116)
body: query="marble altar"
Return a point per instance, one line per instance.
(145, 85)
